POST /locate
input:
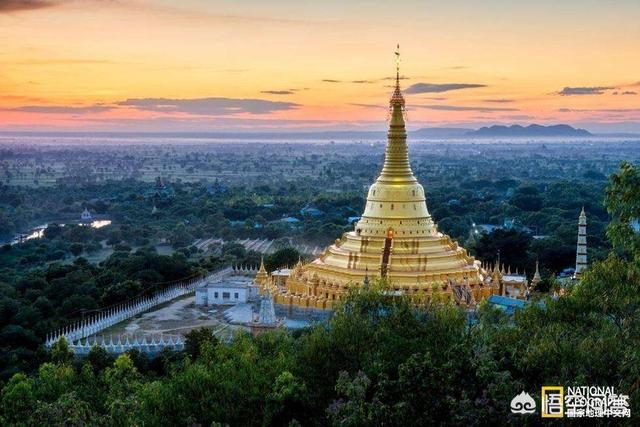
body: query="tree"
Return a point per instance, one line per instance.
(180, 236)
(511, 244)
(52, 231)
(121, 381)
(54, 380)
(195, 339)
(527, 198)
(623, 204)
(68, 410)
(282, 258)
(286, 402)
(99, 359)
(121, 291)
(18, 399)
(60, 351)
(352, 409)
(234, 249)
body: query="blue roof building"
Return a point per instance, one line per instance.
(509, 305)
(311, 211)
(290, 220)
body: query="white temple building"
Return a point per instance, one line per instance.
(235, 289)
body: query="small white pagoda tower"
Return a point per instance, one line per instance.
(266, 318)
(581, 251)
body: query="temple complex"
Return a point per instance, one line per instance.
(395, 240)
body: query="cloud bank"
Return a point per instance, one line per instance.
(464, 108)
(440, 87)
(277, 92)
(208, 106)
(593, 90)
(499, 100)
(18, 5)
(62, 109)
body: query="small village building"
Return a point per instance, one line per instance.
(85, 216)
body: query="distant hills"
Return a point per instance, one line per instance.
(528, 131)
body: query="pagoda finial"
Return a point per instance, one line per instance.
(398, 66)
(397, 100)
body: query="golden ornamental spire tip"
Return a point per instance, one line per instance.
(398, 66)
(397, 98)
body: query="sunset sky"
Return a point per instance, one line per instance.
(196, 65)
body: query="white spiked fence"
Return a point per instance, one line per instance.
(109, 317)
(244, 269)
(151, 344)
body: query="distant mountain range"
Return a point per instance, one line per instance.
(528, 131)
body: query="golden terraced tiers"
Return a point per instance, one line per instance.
(395, 238)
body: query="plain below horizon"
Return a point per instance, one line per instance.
(494, 131)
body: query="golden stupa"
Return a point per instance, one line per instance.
(395, 239)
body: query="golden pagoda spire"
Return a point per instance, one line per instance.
(536, 276)
(396, 168)
(262, 276)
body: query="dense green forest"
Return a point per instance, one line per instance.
(193, 210)
(377, 361)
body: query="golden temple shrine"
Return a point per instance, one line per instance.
(395, 239)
